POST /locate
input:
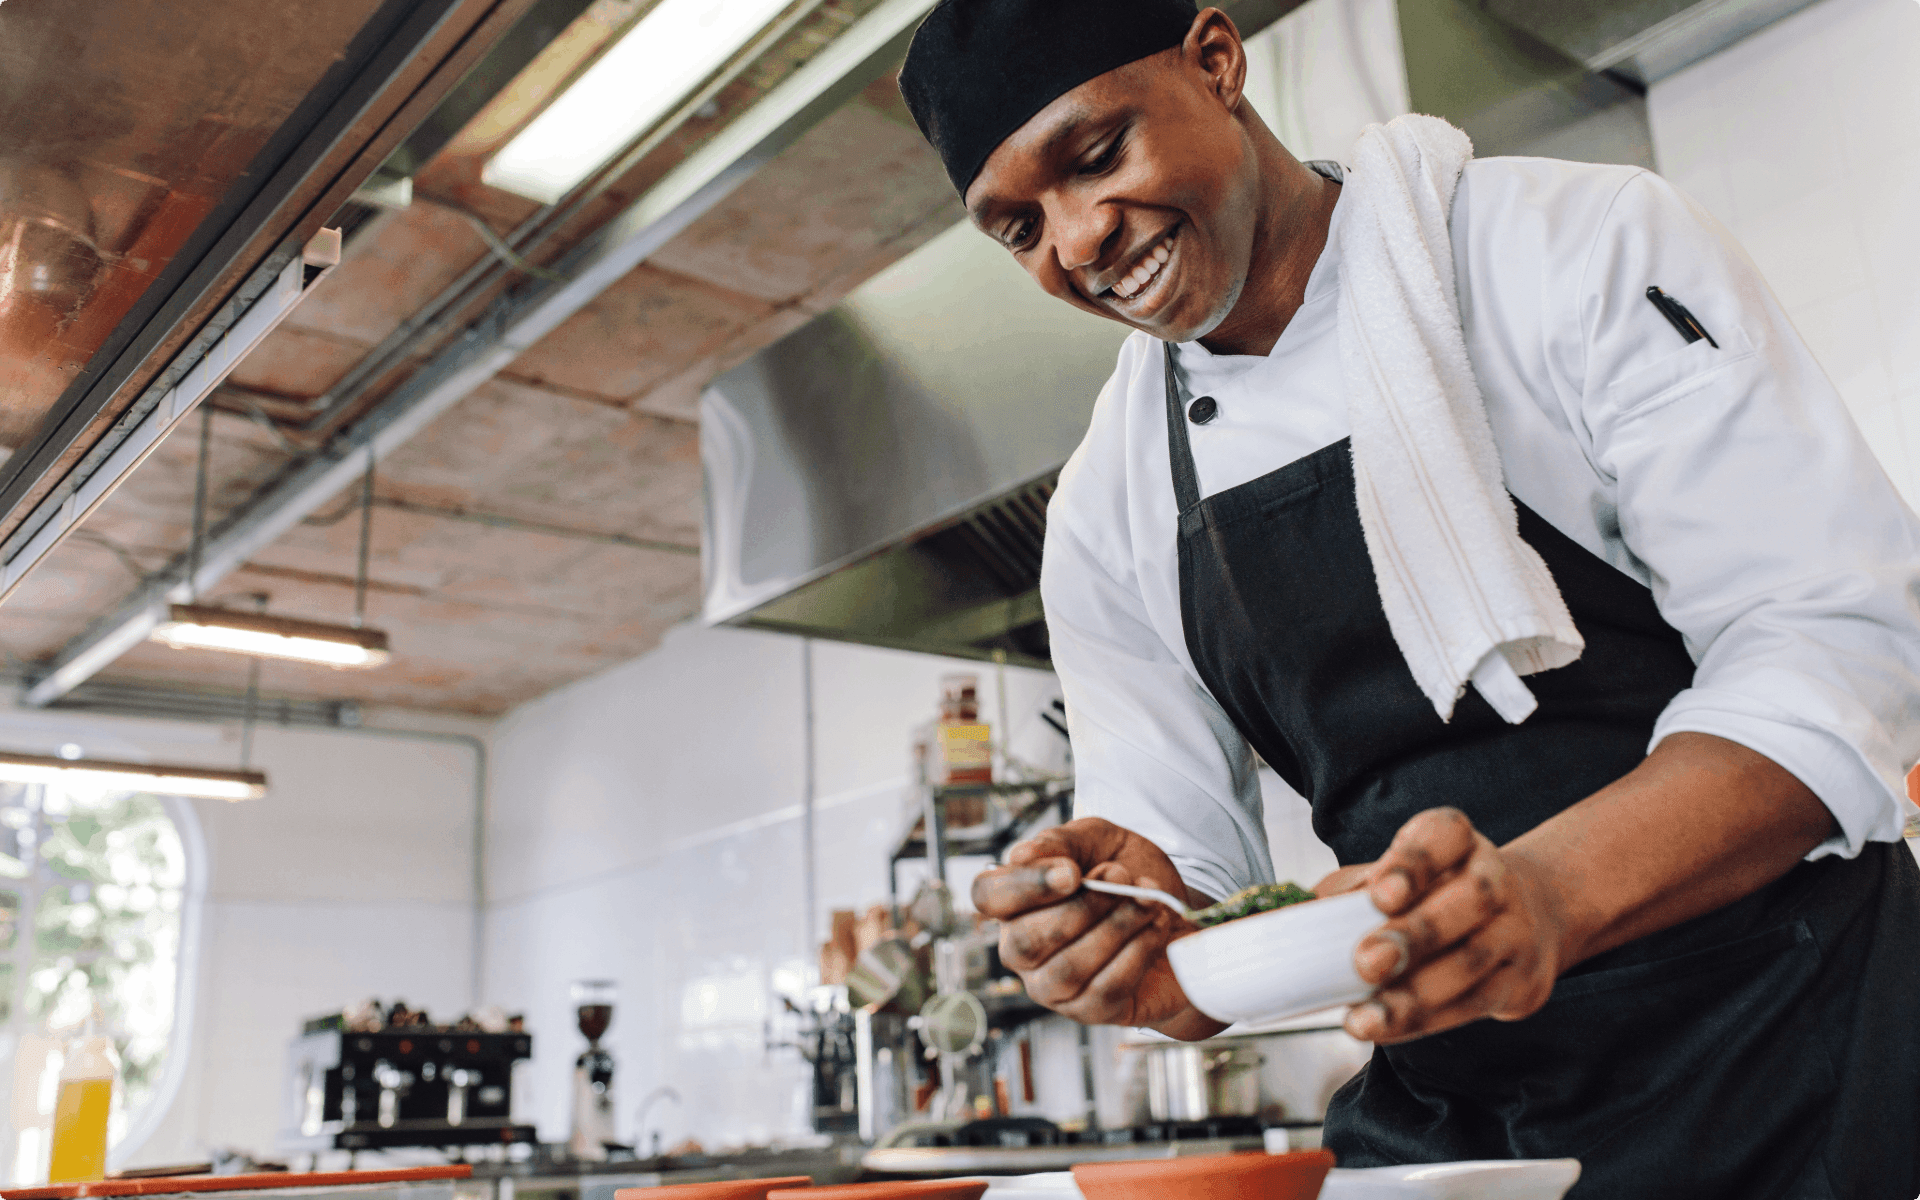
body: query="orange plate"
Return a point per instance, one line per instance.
(724, 1189)
(169, 1185)
(1212, 1177)
(905, 1189)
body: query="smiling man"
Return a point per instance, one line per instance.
(1499, 508)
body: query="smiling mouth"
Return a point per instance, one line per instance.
(1145, 271)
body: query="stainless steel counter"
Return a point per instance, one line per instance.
(599, 1181)
(1024, 1160)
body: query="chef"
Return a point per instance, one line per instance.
(1496, 505)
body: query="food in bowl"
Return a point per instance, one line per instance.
(1261, 897)
(1277, 964)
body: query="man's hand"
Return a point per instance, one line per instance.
(1098, 959)
(1473, 932)
(1478, 930)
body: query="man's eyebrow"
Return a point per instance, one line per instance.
(1070, 127)
(1066, 131)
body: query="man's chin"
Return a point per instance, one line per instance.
(1184, 326)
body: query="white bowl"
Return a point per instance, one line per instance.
(1277, 964)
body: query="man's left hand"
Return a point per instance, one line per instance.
(1474, 931)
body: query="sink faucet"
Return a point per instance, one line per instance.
(640, 1120)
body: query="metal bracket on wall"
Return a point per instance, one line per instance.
(128, 442)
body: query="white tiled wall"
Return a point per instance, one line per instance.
(1805, 140)
(645, 827)
(352, 878)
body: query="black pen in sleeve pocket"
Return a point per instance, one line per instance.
(1677, 315)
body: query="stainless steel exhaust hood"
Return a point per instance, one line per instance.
(881, 475)
(1645, 40)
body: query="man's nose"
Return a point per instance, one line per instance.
(1082, 234)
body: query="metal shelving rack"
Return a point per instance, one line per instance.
(927, 836)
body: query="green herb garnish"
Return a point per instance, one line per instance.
(1261, 897)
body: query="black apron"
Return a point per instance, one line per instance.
(1768, 1049)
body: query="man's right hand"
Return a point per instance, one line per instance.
(1096, 958)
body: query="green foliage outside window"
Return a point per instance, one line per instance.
(96, 881)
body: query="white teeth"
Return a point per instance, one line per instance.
(1129, 285)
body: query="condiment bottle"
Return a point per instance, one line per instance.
(80, 1113)
(965, 747)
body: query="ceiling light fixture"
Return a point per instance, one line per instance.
(205, 627)
(201, 627)
(652, 68)
(133, 777)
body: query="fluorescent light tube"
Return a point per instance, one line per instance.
(197, 627)
(133, 777)
(639, 80)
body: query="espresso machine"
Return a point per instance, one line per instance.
(592, 1134)
(382, 1078)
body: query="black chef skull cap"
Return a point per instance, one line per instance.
(979, 69)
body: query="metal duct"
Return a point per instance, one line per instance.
(881, 475)
(1646, 40)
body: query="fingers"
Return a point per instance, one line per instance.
(1030, 940)
(1046, 868)
(1086, 957)
(1086, 841)
(1004, 892)
(1346, 879)
(1114, 993)
(1481, 943)
(1096, 973)
(1464, 902)
(1427, 847)
(1454, 991)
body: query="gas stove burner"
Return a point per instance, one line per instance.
(1019, 1132)
(1211, 1129)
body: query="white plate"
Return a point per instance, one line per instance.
(1054, 1185)
(1521, 1179)
(1277, 964)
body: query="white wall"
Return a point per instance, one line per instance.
(352, 878)
(1805, 140)
(646, 827)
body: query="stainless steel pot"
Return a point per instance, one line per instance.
(1191, 1083)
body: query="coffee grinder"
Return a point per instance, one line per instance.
(593, 1073)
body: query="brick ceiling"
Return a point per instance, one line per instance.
(504, 555)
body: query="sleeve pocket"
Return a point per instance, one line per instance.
(1685, 370)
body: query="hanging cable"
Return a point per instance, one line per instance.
(199, 504)
(366, 540)
(246, 721)
(260, 600)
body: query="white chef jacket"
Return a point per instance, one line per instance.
(1731, 481)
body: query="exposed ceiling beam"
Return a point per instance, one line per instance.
(864, 53)
(402, 62)
(130, 441)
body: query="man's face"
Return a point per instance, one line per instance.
(1133, 196)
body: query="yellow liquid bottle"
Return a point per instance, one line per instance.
(80, 1113)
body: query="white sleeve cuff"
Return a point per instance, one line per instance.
(1866, 805)
(1208, 878)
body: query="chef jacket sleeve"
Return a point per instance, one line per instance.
(1774, 541)
(1152, 751)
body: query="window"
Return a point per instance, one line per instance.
(93, 916)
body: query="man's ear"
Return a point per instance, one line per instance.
(1213, 46)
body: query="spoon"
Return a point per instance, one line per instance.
(1138, 893)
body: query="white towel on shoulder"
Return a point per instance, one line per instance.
(1466, 598)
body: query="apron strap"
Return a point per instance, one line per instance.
(1186, 481)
